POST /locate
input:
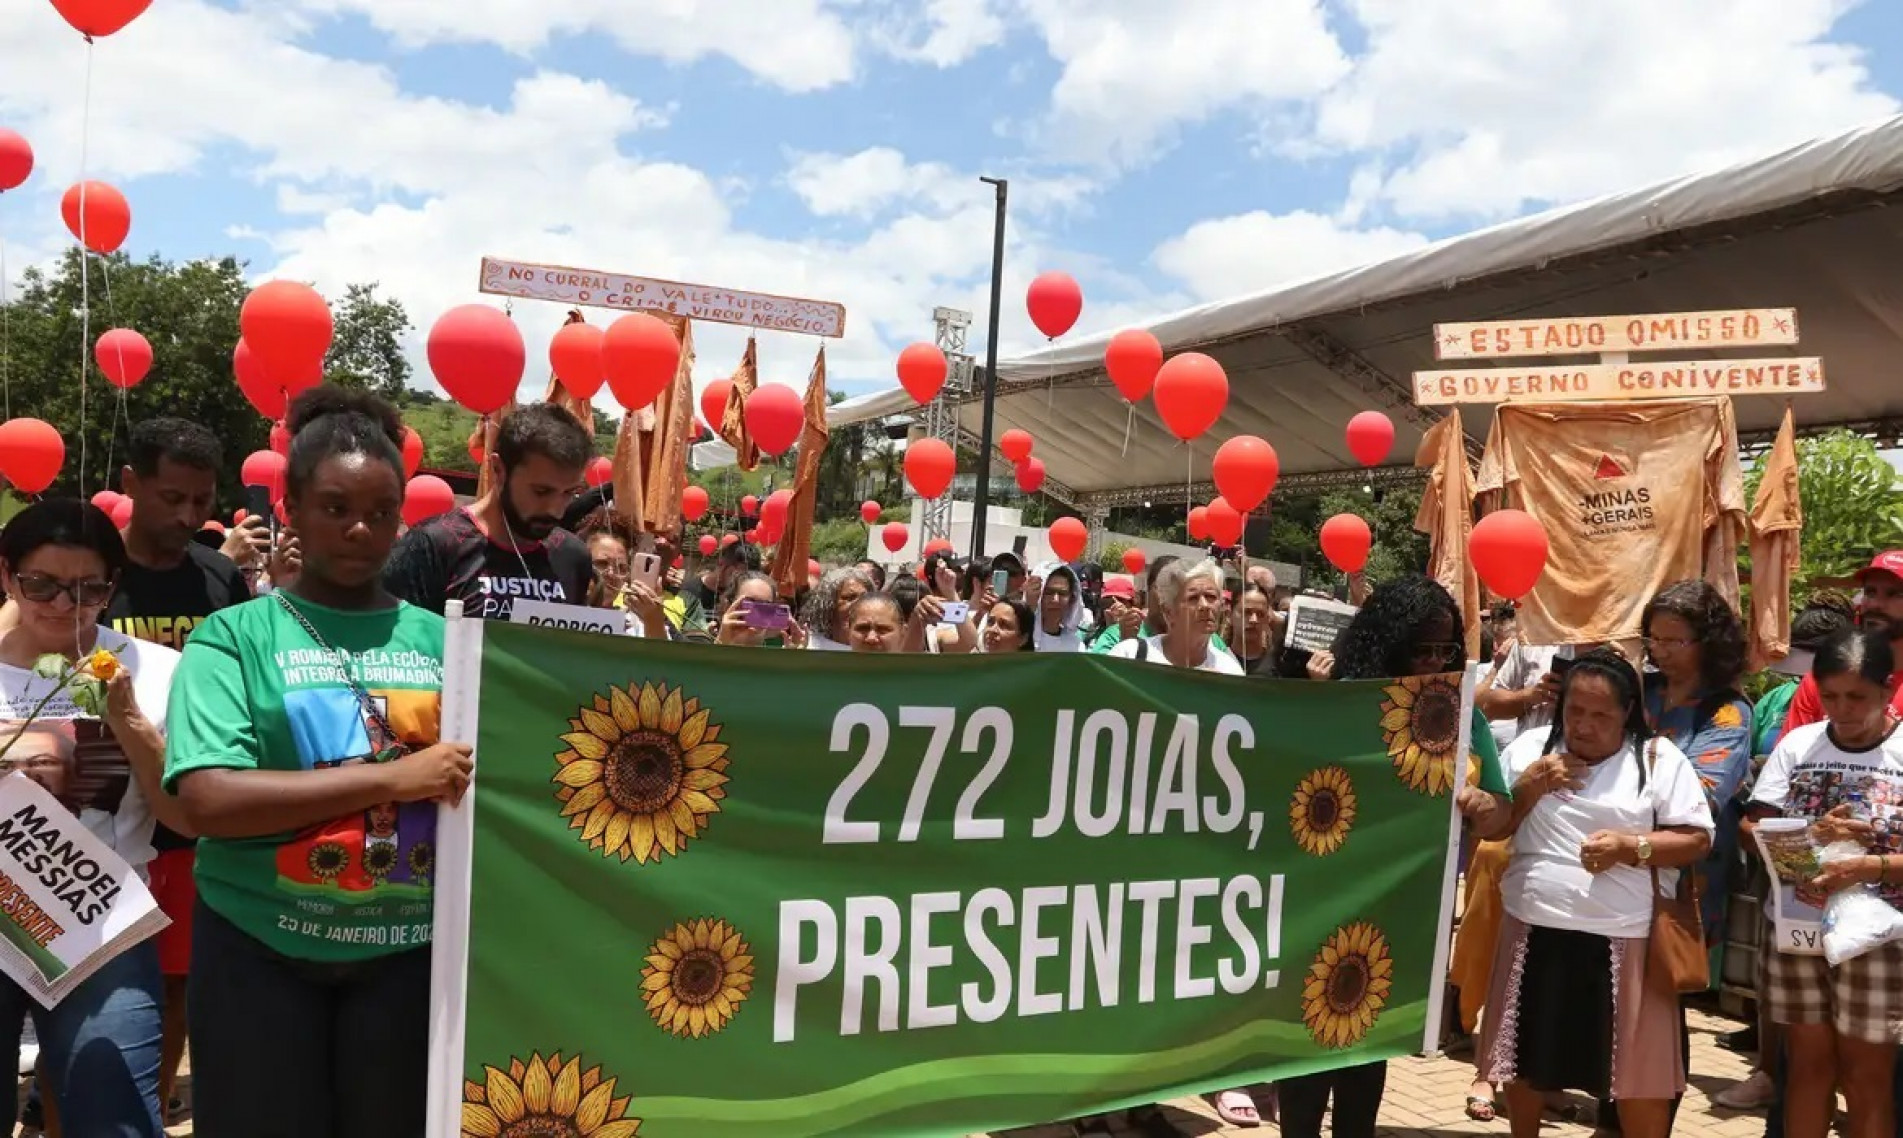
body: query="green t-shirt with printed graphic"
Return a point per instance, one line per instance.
(257, 692)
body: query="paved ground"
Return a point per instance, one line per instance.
(1426, 1099)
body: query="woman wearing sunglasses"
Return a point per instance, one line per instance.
(59, 562)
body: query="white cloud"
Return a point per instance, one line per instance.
(1230, 256)
(1486, 107)
(880, 178)
(943, 33)
(1135, 71)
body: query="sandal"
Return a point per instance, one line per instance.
(1237, 1109)
(1482, 1109)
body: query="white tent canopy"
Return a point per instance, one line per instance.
(1806, 228)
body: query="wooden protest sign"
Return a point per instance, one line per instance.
(1591, 335)
(598, 289)
(1665, 379)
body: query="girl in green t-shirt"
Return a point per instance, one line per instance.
(306, 755)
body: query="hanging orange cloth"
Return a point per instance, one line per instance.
(1633, 495)
(1777, 526)
(1446, 516)
(664, 448)
(632, 474)
(796, 542)
(733, 424)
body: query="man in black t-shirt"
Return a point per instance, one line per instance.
(732, 561)
(509, 543)
(171, 585)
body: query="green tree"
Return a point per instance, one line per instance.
(367, 349)
(1853, 504)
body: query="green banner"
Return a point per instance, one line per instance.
(747, 892)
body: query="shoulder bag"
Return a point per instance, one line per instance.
(1676, 959)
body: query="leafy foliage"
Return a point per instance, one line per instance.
(1853, 504)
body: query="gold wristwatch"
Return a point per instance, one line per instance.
(1645, 850)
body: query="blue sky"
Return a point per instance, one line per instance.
(830, 148)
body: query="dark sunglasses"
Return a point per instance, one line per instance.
(42, 589)
(1436, 650)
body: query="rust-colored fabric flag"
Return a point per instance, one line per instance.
(1446, 517)
(664, 447)
(796, 541)
(733, 425)
(1633, 495)
(482, 443)
(1777, 526)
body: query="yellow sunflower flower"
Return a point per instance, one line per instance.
(1420, 723)
(1345, 989)
(379, 858)
(1322, 811)
(697, 977)
(545, 1098)
(328, 860)
(643, 772)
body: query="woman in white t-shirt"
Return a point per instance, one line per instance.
(1598, 806)
(1842, 1022)
(824, 614)
(1189, 598)
(59, 562)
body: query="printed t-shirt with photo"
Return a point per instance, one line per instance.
(1216, 659)
(111, 805)
(265, 696)
(1546, 884)
(1810, 774)
(450, 559)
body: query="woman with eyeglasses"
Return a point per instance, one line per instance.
(60, 560)
(1600, 804)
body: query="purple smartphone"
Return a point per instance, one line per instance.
(769, 618)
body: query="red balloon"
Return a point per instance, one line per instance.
(929, 467)
(599, 471)
(105, 500)
(412, 452)
(773, 511)
(694, 503)
(16, 159)
(121, 513)
(922, 371)
(1370, 437)
(1199, 523)
(264, 468)
(1345, 541)
(288, 327)
(713, 404)
(95, 18)
(727, 539)
(277, 508)
(426, 497)
(101, 220)
(1016, 445)
(708, 543)
(869, 512)
(124, 356)
(895, 536)
(814, 568)
(477, 354)
(1133, 358)
(281, 440)
(31, 453)
(1134, 561)
(641, 355)
(1509, 548)
(214, 525)
(753, 536)
(1191, 391)
(1224, 523)
(1055, 302)
(476, 453)
(270, 396)
(575, 357)
(937, 545)
(775, 416)
(1246, 469)
(1068, 537)
(1030, 475)
(749, 506)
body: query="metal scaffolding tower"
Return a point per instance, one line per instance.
(939, 418)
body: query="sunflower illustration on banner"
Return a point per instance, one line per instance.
(643, 772)
(1420, 721)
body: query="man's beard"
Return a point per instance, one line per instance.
(535, 529)
(1872, 620)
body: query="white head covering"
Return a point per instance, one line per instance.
(1066, 640)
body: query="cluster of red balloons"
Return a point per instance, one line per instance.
(1016, 445)
(116, 506)
(285, 329)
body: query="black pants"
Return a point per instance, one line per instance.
(1357, 1090)
(286, 1048)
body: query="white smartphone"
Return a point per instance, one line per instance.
(647, 570)
(956, 612)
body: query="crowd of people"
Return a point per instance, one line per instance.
(293, 965)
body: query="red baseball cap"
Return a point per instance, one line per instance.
(1119, 588)
(1890, 561)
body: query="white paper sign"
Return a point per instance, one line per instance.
(68, 903)
(1797, 910)
(1313, 624)
(572, 618)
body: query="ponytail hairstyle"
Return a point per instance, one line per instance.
(327, 421)
(1624, 679)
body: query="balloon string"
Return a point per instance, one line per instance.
(1129, 421)
(6, 332)
(85, 272)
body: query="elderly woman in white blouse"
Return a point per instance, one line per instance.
(1598, 806)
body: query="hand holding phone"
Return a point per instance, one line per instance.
(647, 570)
(956, 613)
(766, 617)
(1000, 583)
